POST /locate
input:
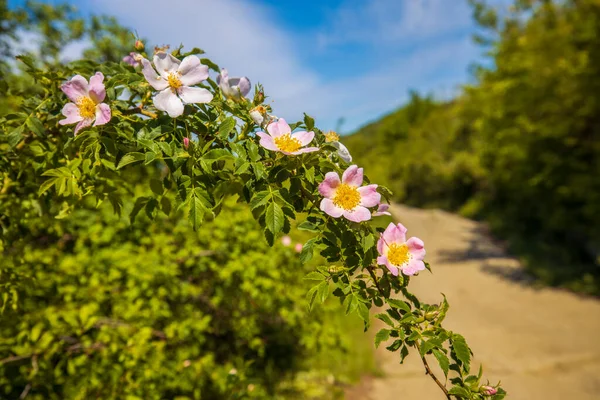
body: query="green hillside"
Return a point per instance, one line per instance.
(519, 148)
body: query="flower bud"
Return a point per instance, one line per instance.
(139, 45)
(382, 209)
(258, 115)
(186, 142)
(259, 97)
(488, 390)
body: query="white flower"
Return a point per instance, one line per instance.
(342, 152)
(233, 88)
(174, 81)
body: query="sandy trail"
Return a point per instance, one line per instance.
(542, 343)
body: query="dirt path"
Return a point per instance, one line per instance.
(542, 343)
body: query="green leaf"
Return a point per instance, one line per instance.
(307, 251)
(47, 185)
(427, 346)
(36, 126)
(315, 276)
(382, 336)
(461, 349)
(308, 226)
(216, 154)
(196, 213)
(140, 202)
(157, 186)
(309, 174)
(442, 360)
(130, 158)
(385, 318)
(226, 127)
(311, 296)
(363, 311)
(367, 242)
(274, 218)
(309, 122)
(395, 303)
(260, 199)
(460, 392)
(323, 291)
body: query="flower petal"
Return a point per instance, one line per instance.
(416, 247)
(83, 124)
(369, 196)
(75, 88)
(241, 86)
(192, 71)
(165, 63)
(194, 95)
(267, 142)
(329, 184)
(155, 80)
(302, 150)
(102, 114)
(382, 260)
(169, 102)
(381, 246)
(278, 128)
(413, 267)
(382, 210)
(358, 214)
(394, 234)
(71, 111)
(96, 88)
(353, 176)
(329, 208)
(304, 137)
(342, 152)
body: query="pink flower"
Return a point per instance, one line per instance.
(174, 81)
(186, 142)
(280, 138)
(298, 247)
(488, 390)
(399, 254)
(346, 197)
(87, 102)
(234, 88)
(382, 210)
(132, 59)
(286, 240)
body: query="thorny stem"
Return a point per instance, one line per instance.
(428, 370)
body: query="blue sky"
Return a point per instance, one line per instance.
(334, 59)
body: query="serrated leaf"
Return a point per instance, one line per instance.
(461, 349)
(308, 226)
(130, 158)
(460, 392)
(309, 122)
(311, 295)
(385, 318)
(47, 185)
(382, 336)
(307, 251)
(323, 291)
(309, 174)
(443, 360)
(149, 157)
(399, 304)
(157, 186)
(226, 127)
(274, 218)
(315, 276)
(216, 154)
(260, 199)
(363, 311)
(196, 213)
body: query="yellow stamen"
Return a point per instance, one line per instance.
(87, 107)
(174, 81)
(398, 254)
(260, 109)
(331, 136)
(287, 143)
(346, 197)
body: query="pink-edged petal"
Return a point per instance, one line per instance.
(278, 128)
(413, 267)
(102, 114)
(302, 150)
(416, 247)
(353, 176)
(329, 184)
(267, 142)
(71, 111)
(165, 64)
(75, 88)
(382, 210)
(238, 87)
(194, 95)
(382, 246)
(304, 137)
(358, 214)
(329, 208)
(169, 102)
(243, 85)
(394, 234)
(382, 260)
(155, 80)
(83, 124)
(192, 71)
(369, 196)
(96, 88)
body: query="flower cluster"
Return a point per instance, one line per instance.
(175, 81)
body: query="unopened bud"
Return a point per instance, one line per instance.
(259, 97)
(431, 315)
(186, 142)
(139, 45)
(488, 390)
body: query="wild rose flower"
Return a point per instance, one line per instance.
(347, 197)
(233, 88)
(87, 102)
(280, 138)
(174, 81)
(286, 240)
(132, 59)
(488, 390)
(399, 254)
(382, 210)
